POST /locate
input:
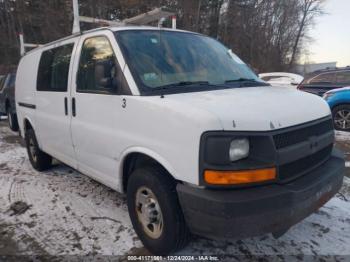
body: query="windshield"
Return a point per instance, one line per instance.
(164, 59)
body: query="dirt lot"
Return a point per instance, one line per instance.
(63, 213)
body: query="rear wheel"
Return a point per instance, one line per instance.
(341, 117)
(12, 120)
(39, 159)
(155, 211)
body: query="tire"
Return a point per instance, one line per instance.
(39, 159)
(174, 233)
(12, 120)
(341, 117)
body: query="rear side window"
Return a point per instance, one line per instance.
(343, 77)
(54, 69)
(323, 78)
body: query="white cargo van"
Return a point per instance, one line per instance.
(181, 125)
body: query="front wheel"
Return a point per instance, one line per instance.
(39, 159)
(155, 211)
(341, 117)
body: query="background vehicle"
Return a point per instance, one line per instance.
(322, 81)
(169, 117)
(7, 100)
(339, 102)
(282, 79)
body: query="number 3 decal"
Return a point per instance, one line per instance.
(124, 103)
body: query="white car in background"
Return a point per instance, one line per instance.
(282, 79)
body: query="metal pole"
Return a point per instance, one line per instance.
(76, 23)
(173, 20)
(21, 42)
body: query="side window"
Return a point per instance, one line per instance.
(98, 69)
(54, 69)
(323, 78)
(343, 77)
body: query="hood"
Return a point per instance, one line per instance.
(347, 88)
(257, 108)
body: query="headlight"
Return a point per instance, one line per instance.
(239, 149)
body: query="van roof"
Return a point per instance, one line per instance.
(111, 28)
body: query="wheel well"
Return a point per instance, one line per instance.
(338, 105)
(27, 125)
(137, 160)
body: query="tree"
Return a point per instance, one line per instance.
(309, 9)
(267, 34)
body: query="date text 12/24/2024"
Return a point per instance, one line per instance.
(173, 258)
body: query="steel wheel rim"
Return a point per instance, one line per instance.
(32, 149)
(148, 212)
(342, 119)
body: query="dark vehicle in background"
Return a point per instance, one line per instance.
(7, 100)
(319, 82)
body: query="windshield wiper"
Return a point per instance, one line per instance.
(241, 80)
(183, 83)
(247, 82)
(189, 83)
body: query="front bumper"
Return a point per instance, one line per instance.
(240, 213)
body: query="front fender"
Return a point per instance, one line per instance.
(148, 152)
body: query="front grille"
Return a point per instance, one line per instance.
(299, 135)
(294, 169)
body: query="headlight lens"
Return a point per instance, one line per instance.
(239, 149)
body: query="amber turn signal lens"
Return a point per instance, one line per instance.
(239, 177)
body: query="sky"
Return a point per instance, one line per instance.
(331, 34)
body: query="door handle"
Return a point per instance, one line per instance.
(66, 106)
(74, 113)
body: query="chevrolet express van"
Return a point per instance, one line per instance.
(199, 144)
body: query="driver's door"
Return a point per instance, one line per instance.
(96, 107)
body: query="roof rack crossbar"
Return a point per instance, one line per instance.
(157, 14)
(24, 45)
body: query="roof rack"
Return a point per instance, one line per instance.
(24, 45)
(156, 15)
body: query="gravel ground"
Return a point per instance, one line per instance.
(65, 214)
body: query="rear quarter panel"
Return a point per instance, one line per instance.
(26, 87)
